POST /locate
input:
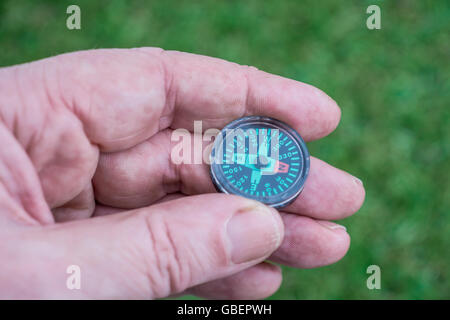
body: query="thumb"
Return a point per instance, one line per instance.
(163, 249)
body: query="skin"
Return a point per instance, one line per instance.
(86, 179)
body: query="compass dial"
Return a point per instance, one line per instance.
(260, 158)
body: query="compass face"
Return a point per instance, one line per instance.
(260, 158)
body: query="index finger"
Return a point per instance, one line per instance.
(124, 96)
(218, 91)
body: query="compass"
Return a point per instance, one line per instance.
(260, 158)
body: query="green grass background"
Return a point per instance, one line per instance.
(392, 85)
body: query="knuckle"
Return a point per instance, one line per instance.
(168, 266)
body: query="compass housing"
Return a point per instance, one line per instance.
(274, 175)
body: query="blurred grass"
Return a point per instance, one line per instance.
(392, 85)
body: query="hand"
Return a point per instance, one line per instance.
(87, 135)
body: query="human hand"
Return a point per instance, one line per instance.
(87, 135)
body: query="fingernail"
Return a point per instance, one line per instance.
(254, 232)
(357, 181)
(332, 225)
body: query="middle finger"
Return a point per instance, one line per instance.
(141, 175)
